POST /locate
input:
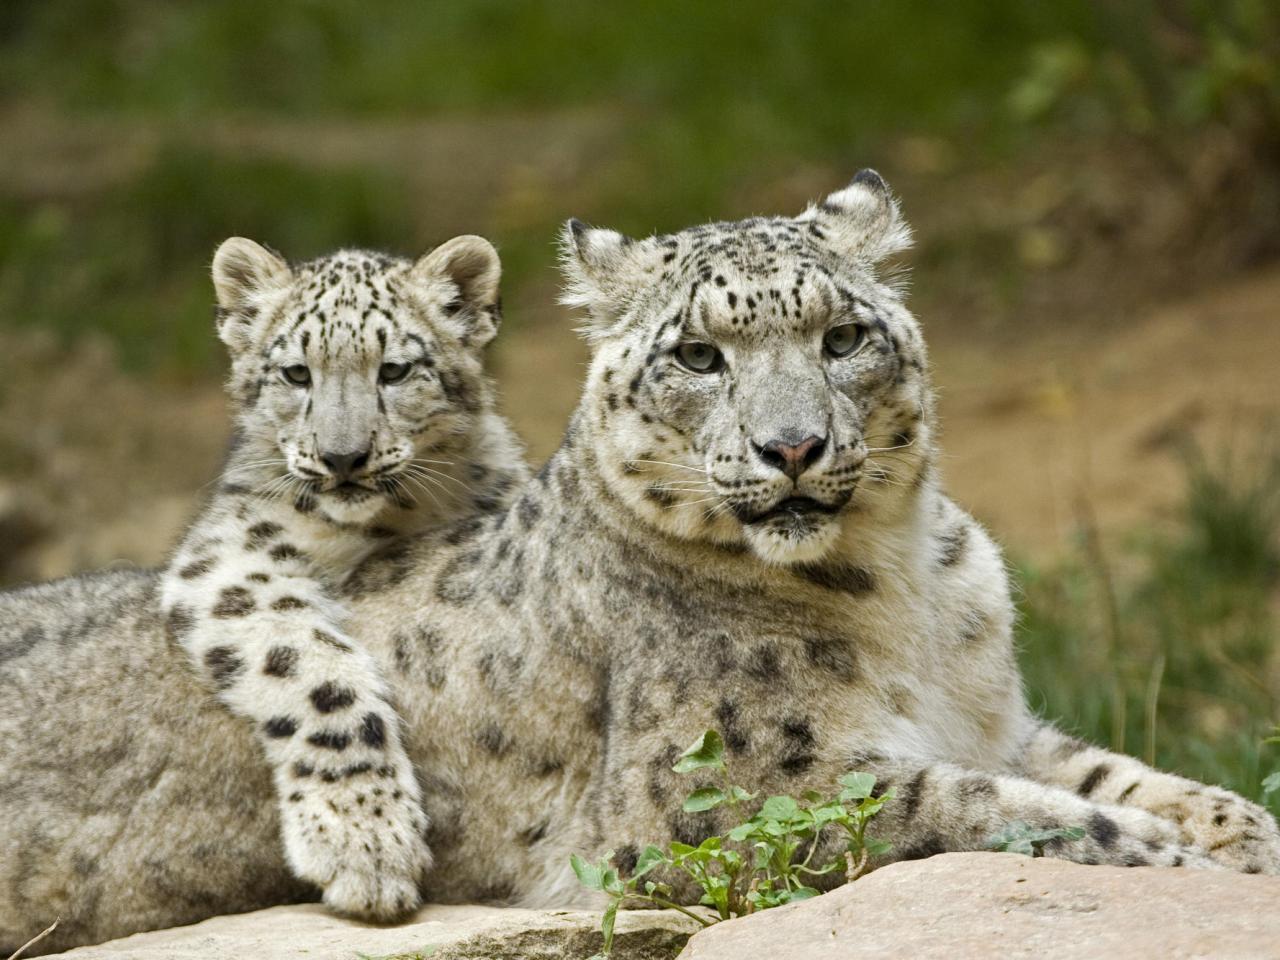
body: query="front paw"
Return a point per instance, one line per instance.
(1232, 831)
(361, 841)
(380, 896)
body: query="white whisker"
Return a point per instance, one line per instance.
(668, 463)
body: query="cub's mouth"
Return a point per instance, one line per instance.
(795, 508)
(350, 491)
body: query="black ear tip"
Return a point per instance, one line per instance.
(577, 228)
(870, 179)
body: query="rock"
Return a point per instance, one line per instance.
(440, 932)
(963, 905)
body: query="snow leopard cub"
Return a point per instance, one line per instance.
(362, 415)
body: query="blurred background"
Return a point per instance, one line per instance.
(1095, 188)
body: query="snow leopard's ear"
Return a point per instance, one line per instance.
(605, 272)
(463, 277)
(862, 221)
(245, 275)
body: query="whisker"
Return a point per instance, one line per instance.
(439, 474)
(435, 476)
(417, 481)
(668, 463)
(901, 446)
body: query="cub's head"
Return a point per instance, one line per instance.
(755, 382)
(356, 375)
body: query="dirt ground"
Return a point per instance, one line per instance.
(1042, 429)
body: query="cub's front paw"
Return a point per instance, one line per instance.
(361, 841)
(383, 897)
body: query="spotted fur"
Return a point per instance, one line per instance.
(550, 659)
(334, 461)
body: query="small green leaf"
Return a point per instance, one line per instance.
(764, 853)
(876, 848)
(741, 796)
(1018, 837)
(741, 832)
(828, 812)
(650, 858)
(606, 926)
(679, 849)
(706, 751)
(704, 798)
(779, 808)
(610, 881)
(590, 875)
(857, 786)
(1272, 783)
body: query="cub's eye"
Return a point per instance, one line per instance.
(297, 374)
(393, 372)
(700, 357)
(843, 340)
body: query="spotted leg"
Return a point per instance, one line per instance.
(263, 632)
(1234, 832)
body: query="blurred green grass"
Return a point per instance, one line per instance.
(1168, 651)
(705, 101)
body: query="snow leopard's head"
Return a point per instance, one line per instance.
(755, 382)
(357, 370)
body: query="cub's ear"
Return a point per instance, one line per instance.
(244, 273)
(862, 220)
(604, 272)
(463, 275)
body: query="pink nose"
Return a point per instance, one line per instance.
(792, 459)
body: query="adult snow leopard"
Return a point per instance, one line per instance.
(743, 529)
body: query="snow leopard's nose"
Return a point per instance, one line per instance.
(792, 459)
(344, 465)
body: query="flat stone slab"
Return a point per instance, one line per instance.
(981, 905)
(955, 906)
(310, 932)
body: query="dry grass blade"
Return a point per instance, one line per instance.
(36, 939)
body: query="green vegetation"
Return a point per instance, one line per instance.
(1019, 837)
(693, 107)
(782, 838)
(1173, 660)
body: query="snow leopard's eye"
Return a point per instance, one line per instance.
(297, 374)
(700, 357)
(393, 372)
(844, 340)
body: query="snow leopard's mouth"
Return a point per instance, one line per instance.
(795, 508)
(350, 491)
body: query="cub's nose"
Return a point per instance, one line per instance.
(344, 465)
(792, 459)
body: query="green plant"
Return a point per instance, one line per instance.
(765, 861)
(1018, 837)
(1271, 782)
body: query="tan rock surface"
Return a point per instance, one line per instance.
(956, 906)
(309, 932)
(978, 905)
